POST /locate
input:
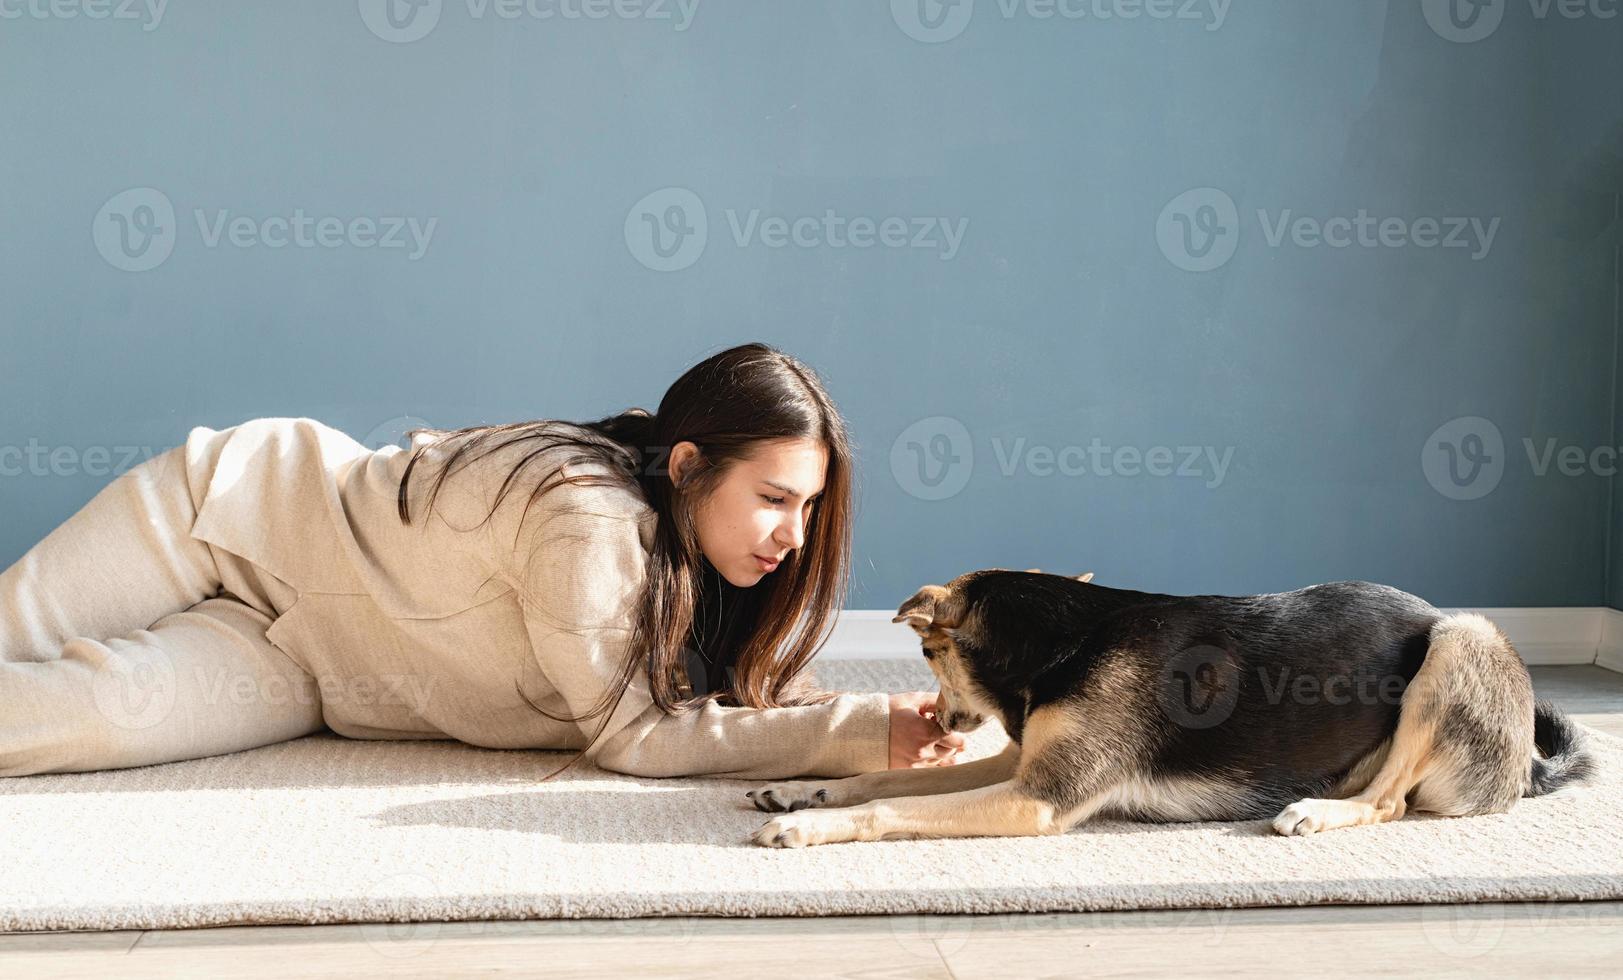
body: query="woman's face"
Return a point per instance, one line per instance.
(760, 508)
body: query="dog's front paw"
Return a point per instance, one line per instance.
(785, 797)
(803, 830)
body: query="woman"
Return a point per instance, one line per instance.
(648, 589)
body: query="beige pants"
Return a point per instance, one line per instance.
(124, 641)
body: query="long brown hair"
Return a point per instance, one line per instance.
(726, 405)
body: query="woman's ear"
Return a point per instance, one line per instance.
(679, 463)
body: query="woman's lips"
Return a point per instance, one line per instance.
(766, 564)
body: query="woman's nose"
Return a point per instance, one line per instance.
(792, 534)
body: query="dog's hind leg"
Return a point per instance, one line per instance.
(1383, 798)
(852, 790)
(1461, 711)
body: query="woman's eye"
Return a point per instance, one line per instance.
(772, 500)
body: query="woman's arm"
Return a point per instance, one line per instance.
(579, 572)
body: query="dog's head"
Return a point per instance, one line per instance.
(948, 621)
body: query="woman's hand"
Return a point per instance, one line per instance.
(915, 738)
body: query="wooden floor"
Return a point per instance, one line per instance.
(1564, 939)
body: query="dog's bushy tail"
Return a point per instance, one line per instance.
(1561, 743)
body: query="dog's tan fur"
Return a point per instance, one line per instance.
(1467, 664)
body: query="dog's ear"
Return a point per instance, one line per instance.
(1086, 577)
(932, 607)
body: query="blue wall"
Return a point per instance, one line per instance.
(1092, 306)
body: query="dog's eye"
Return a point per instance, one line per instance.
(929, 654)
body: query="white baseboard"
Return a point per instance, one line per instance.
(868, 634)
(1543, 636)
(1610, 652)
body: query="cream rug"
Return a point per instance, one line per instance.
(326, 829)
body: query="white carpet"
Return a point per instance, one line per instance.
(326, 829)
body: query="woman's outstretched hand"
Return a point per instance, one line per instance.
(915, 738)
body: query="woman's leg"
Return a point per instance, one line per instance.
(122, 562)
(200, 682)
(119, 645)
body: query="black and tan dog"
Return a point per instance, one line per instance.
(1327, 707)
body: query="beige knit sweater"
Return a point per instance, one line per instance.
(421, 631)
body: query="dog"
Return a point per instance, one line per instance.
(1331, 706)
